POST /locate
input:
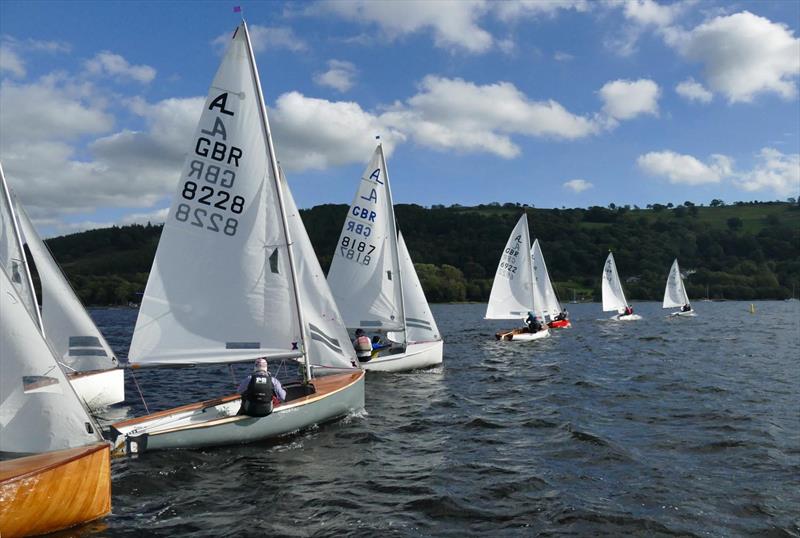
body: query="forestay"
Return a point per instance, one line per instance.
(72, 334)
(613, 296)
(221, 288)
(420, 325)
(39, 411)
(365, 275)
(513, 291)
(550, 306)
(12, 257)
(675, 292)
(328, 343)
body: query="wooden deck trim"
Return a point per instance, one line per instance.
(78, 375)
(19, 468)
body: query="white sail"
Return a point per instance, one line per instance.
(513, 291)
(420, 325)
(364, 274)
(675, 292)
(550, 306)
(221, 288)
(328, 343)
(73, 336)
(12, 256)
(38, 409)
(613, 296)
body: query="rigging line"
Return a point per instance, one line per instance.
(138, 388)
(233, 375)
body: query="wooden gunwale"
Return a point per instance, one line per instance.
(76, 375)
(19, 468)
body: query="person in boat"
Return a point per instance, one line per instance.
(259, 391)
(363, 346)
(561, 315)
(686, 308)
(628, 310)
(533, 323)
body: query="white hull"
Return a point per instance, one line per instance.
(99, 388)
(416, 356)
(689, 314)
(215, 422)
(629, 317)
(522, 335)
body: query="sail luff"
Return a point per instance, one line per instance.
(276, 178)
(34, 306)
(393, 238)
(613, 294)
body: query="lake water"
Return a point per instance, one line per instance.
(659, 427)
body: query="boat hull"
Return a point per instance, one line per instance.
(416, 356)
(99, 388)
(560, 324)
(55, 490)
(689, 314)
(521, 335)
(629, 317)
(215, 422)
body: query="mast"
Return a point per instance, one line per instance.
(37, 315)
(395, 249)
(276, 176)
(527, 250)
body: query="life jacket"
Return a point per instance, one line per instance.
(363, 346)
(257, 399)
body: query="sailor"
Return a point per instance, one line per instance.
(533, 323)
(363, 346)
(628, 310)
(258, 390)
(686, 308)
(561, 315)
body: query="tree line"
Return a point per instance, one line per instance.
(748, 250)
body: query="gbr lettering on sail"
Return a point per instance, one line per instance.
(356, 244)
(209, 200)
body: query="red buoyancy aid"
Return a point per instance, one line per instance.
(363, 343)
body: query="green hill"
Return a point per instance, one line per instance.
(741, 251)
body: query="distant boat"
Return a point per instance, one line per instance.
(235, 278)
(61, 475)
(374, 281)
(574, 300)
(675, 293)
(514, 292)
(613, 296)
(551, 308)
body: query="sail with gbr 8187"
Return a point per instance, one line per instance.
(235, 278)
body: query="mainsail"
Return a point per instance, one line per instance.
(39, 411)
(420, 325)
(675, 292)
(73, 336)
(613, 296)
(513, 292)
(222, 287)
(550, 305)
(365, 275)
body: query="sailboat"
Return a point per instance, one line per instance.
(374, 281)
(55, 470)
(675, 293)
(551, 307)
(514, 292)
(235, 278)
(613, 296)
(83, 353)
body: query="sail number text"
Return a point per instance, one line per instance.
(508, 263)
(358, 251)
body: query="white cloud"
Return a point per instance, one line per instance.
(10, 61)
(693, 91)
(512, 10)
(561, 56)
(12, 49)
(774, 171)
(685, 169)
(268, 38)
(743, 55)
(453, 23)
(648, 12)
(317, 134)
(577, 185)
(626, 99)
(339, 76)
(117, 67)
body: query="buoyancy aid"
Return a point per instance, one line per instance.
(363, 346)
(257, 399)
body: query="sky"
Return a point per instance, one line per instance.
(552, 104)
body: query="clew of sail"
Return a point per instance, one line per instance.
(39, 411)
(675, 292)
(75, 339)
(549, 301)
(328, 344)
(613, 296)
(365, 273)
(221, 286)
(512, 294)
(420, 325)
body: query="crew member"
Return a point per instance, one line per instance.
(258, 390)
